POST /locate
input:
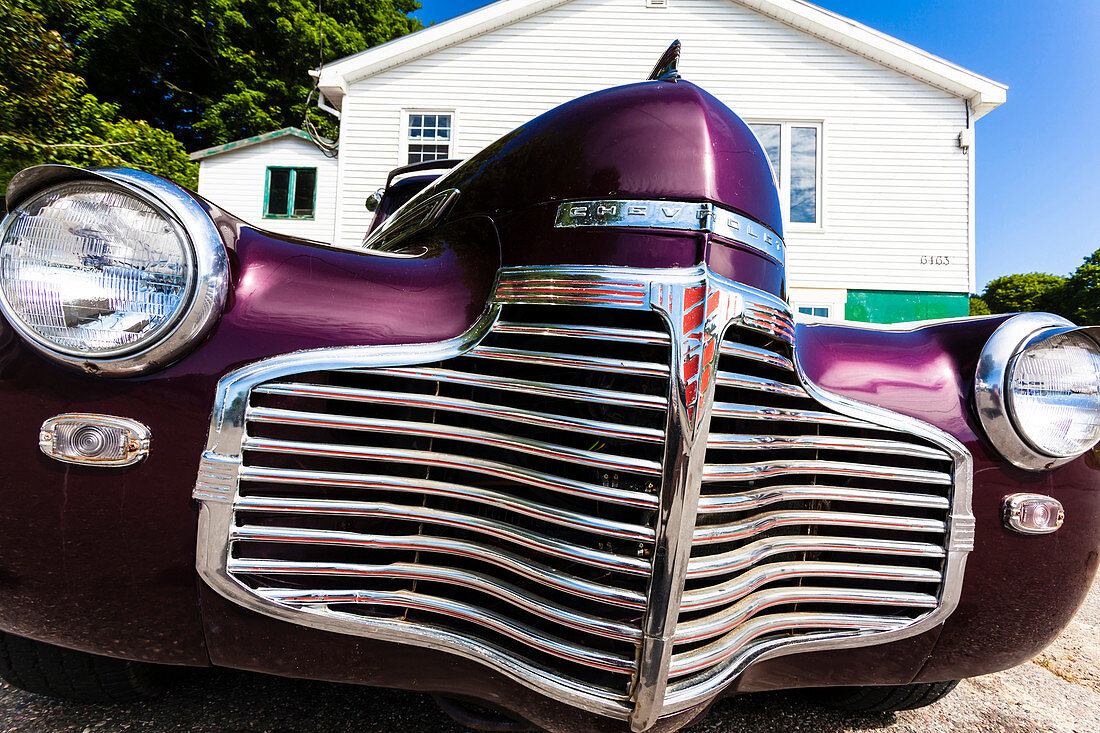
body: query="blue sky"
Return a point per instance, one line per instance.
(1038, 156)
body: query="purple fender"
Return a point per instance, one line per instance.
(103, 560)
(1019, 591)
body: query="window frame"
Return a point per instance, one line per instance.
(406, 113)
(784, 172)
(827, 307)
(290, 192)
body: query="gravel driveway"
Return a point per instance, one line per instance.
(1059, 691)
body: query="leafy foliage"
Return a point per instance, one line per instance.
(1017, 293)
(1081, 293)
(978, 307)
(47, 115)
(131, 82)
(1076, 297)
(213, 71)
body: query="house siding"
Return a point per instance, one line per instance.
(236, 181)
(895, 184)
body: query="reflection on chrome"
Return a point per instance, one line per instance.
(510, 494)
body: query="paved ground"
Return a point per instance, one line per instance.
(1059, 691)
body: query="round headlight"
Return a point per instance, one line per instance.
(1054, 394)
(1037, 390)
(89, 269)
(112, 272)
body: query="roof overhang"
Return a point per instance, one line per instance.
(249, 142)
(983, 94)
(335, 77)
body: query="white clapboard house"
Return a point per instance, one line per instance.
(872, 139)
(279, 181)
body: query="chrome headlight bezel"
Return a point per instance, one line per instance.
(206, 292)
(993, 393)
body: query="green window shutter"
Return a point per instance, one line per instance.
(290, 193)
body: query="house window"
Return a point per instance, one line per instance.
(794, 150)
(429, 136)
(803, 188)
(291, 193)
(818, 311)
(769, 136)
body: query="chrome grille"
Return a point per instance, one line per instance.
(579, 493)
(506, 495)
(810, 524)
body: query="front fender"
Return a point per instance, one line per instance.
(102, 559)
(1019, 591)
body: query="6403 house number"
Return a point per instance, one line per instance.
(935, 260)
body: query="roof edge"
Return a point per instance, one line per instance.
(984, 94)
(249, 142)
(335, 76)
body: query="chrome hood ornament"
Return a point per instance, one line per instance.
(666, 70)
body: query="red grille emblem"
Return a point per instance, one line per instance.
(705, 310)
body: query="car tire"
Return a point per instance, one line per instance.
(52, 670)
(884, 699)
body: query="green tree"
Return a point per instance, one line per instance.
(47, 115)
(1082, 292)
(978, 306)
(213, 71)
(1034, 291)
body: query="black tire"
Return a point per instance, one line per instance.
(885, 699)
(52, 670)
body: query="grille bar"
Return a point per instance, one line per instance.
(721, 503)
(403, 599)
(573, 361)
(530, 540)
(434, 573)
(577, 292)
(729, 618)
(630, 498)
(468, 407)
(754, 353)
(755, 471)
(521, 566)
(523, 445)
(777, 414)
(426, 486)
(774, 520)
(730, 441)
(603, 333)
(770, 320)
(742, 558)
(736, 588)
(744, 381)
(544, 389)
(734, 642)
(294, 417)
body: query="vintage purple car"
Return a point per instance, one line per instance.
(549, 446)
